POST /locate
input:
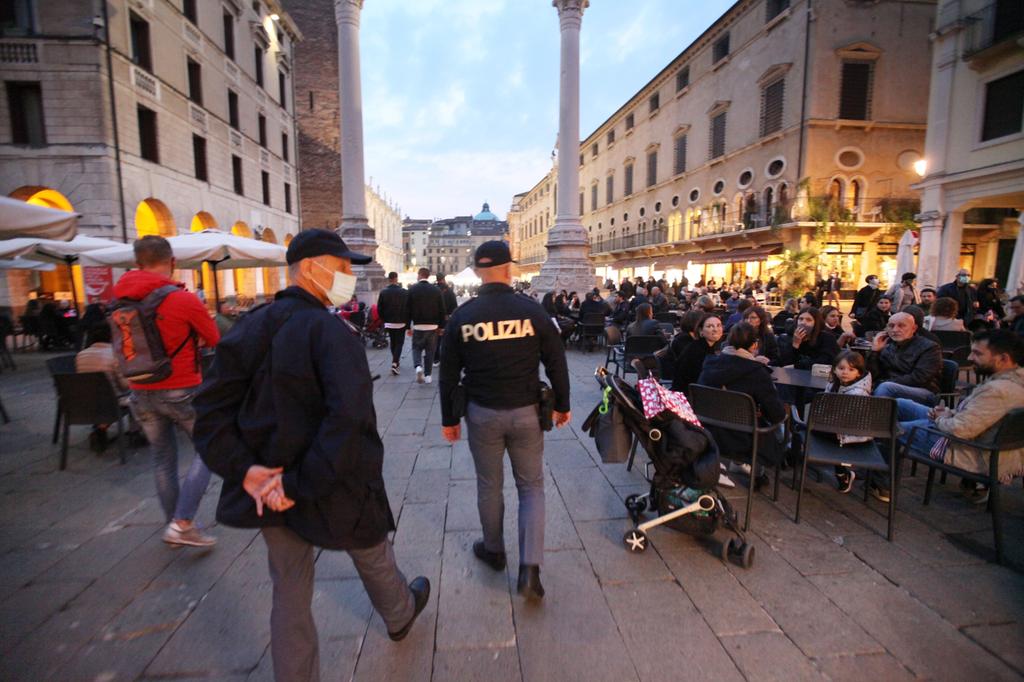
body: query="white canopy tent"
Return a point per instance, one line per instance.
(21, 219)
(465, 278)
(23, 264)
(54, 251)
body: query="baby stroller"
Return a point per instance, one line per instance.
(373, 331)
(685, 463)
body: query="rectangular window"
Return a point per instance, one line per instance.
(593, 150)
(236, 174)
(142, 54)
(287, 198)
(717, 147)
(679, 155)
(774, 8)
(855, 91)
(593, 197)
(285, 151)
(16, 18)
(772, 96)
(611, 136)
(148, 144)
(258, 63)
(609, 189)
(627, 181)
(265, 180)
(282, 90)
(188, 8)
(581, 206)
(720, 50)
(25, 105)
(683, 78)
(581, 159)
(629, 121)
(1004, 106)
(229, 35)
(233, 109)
(195, 81)
(262, 121)
(199, 157)
(652, 168)
(654, 102)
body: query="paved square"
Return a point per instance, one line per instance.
(89, 592)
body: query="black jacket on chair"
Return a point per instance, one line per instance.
(290, 387)
(822, 352)
(691, 362)
(426, 304)
(393, 304)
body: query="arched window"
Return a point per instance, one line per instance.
(768, 196)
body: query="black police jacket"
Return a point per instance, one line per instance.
(426, 304)
(393, 304)
(290, 387)
(495, 344)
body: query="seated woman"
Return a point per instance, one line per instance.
(944, 316)
(832, 321)
(645, 324)
(788, 312)
(551, 306)
(737, 368)
(686, 335)
(690, 364)
(768, 346)
(808, 345)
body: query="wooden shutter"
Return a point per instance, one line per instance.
(679, 162)
(772, 96)
(855, 93)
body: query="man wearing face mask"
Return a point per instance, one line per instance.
(866, 298)
(286, 418)
(961, 291)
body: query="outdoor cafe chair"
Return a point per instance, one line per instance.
(639, 347)
(3, 413)
(737, 412)
(832, 414)
(1009, 436)
(613, 345)
(591, 329)
(88, 398)
(949, 395)
(62, 364)
(668, 318)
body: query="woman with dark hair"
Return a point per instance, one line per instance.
(768, 346)
(944, 316)
(566, 326)
(645, 324)
(788, 312)
(832, 321)
(691, 362)
(809, 345)
(988, 299)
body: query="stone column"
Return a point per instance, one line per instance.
(949, 253)
(929, 245)
(568, 265)
(355, 229)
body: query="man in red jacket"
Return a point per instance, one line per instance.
(161, 406)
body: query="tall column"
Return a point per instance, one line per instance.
(568, 265)
(949, 253)
(929, 246)
(355, 229)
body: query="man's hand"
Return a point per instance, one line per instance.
(879, 342)
(452, 433)
(274, 497)
(939, 411)
(561, 418)
(256, 479)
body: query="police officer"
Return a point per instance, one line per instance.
(493, 345)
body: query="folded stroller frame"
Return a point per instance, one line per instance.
(695, 511)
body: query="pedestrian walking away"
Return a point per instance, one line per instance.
(147, 300)
(393, 308)
(426, 320)
(492, 350)
(450, 304)
(286, 418)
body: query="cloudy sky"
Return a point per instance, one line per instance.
(460, 97)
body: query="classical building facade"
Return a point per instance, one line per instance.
(785, 127)
(155, 117)
(386, 220)
(415, 238)
(531, 215)
(450, 242)
(973, 190)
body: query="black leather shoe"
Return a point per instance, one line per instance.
(529, 582)
(495, 560)
(420, 588)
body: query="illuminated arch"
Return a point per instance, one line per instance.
(202, 221)
(43, 196)
(271, 276)
(245, 278)
(153, 217)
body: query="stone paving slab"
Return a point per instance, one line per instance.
(89, 592)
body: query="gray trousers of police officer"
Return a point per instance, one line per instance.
(491, 432)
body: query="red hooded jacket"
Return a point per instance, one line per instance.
(179, 314)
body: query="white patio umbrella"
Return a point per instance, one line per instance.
(904, 264)
(22, 264)
(54, 251)
(191, 250)
(21, 219)
(1015, 277)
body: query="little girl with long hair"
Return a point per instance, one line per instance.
(849, 376)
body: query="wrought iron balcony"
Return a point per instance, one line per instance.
(1002, 21)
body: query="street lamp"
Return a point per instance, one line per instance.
(921, 167)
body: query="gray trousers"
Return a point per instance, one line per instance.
(293, 637)
(492, 432)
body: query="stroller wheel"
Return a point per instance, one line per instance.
(723, 551)
(635, 540)
(636, 504)
(746, 555)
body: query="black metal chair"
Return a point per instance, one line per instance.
(639, 347)
(62, 364)
(952, 340)
(6, 330)
(88, 398)
(590, 330)
(833, 414)
(3, 413)
(1009, 436)
(613, 344)
(668, 318)
(734, 411)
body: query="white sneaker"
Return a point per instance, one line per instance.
(725, 481)
(395, 370)
(419, 375)
(427, 379)
(176, 535)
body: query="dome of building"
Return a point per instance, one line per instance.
(485, 214)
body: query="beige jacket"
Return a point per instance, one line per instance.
(99, 357)
(977, 417)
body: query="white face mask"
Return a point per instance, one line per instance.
(873, 283)
(342, 288)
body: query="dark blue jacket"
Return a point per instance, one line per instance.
(307, 406)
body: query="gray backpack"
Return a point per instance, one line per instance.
(137, 343)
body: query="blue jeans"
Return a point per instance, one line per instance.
(424, 343)
(911, 414)
(158, 412)
(889, 389)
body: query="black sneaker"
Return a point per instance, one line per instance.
(529, 582)
(495, 560)
(844, 480)
(420, 588)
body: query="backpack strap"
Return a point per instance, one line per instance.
(153, 301)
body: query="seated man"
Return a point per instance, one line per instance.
(905, 364)
(658, 300)
(998, 354)
(1016, 320)
(594, 305)
(99, 357)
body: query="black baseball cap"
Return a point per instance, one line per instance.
(492, 253)
(317, 242)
